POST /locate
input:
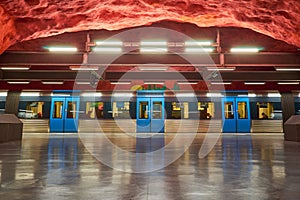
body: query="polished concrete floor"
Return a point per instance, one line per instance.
(58, 167)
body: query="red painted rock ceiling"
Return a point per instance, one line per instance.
(22, 20)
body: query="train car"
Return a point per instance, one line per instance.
(150, 111)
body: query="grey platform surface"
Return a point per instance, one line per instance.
(239, 167)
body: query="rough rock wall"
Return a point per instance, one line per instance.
(30, 19)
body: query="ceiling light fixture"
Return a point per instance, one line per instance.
(3, 94)
(52, 82)
(109, 43)
(153, 43)
(287, 69)
(220, 68)
(91, 94)
(274, 95)
(153, 50)
(15, 68)
(83, 83)
(245, 50)
(30, 94)
(153, 68)
(18, 82)
(158, 83)
(254, 83)
(220, 83)
(187, 83)
(287, 83)
(214, 95)
(83, 68)
(120, 83)
(62, 49)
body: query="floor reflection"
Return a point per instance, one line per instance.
(239, 167)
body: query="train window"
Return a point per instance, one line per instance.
(71, 110)
(206, 110)
(94, 110)
(120, 109)
(58, 109)
(180, 110)
(228, 111)
(265, 110)
(31, 110)
(143, 110)
(242, 110)
(2, 107)
(157, 110)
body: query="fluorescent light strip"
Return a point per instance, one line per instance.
(153, 43)
(108, 49)
(109, 43)
(251, 95)
(18, 82)
(52, 82)
(84, 68)
(254, 83)
(214, 95)
(153, 68)
(274, 95)
(198, 50)
(91, 94)
(288, 83)
(15, 68)
(60, 95)
(122, 94)
(220, 69)
(287, 69)
(30, 94)
(120, 83)
(153, 50)
(3, 94)
(62, 49)
(158, 83)
(245, 50)
(220, 83)
(198, 43)
(82, 83)
(187, 83)
(185, 95)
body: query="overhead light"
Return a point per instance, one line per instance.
(153, 68)
(187, 83)
(198, 50)
(108, 49)
(198, 43)
(220, 83)
(122, 95)
(185, 95)
(3, 94)
(83, 83)
(109, 43)
(18, 82)
(62, 49)
(91, 94)
(254, 83)
(15, 68)
(245, 50)
(59, 95)
(157, 83)
(251, 95)
(220, 68)
(120, 83)
(30, 94)
(214, 94)
(52, 82)
(153, 43)
(153, 50)
(287, 83)
(287, 69)
(274, 95)
(83, 68)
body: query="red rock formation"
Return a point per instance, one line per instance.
(29, 19)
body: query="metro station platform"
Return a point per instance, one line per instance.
(53, 166)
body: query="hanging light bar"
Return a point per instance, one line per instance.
(187, 83)
(109, 43)
(153, 68)
(220, 68)
(158, 83)
(91, 94)
(153, 43)
(18, 82)
(197, 43)
(287, 69)
(120, 83)
(83, 68)
(153, 47)
(15, 68)
(245, 50)
(287, 83)
(30, 94)
(62, 49)
(52, 82)
(220, 83)
(254, 83)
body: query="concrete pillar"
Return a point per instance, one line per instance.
(287, 105)
(12, 102)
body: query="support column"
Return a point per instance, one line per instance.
(287, 105)
(12, 102)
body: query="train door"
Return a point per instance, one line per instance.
(236, 115)
(64, 114)
(150, 112)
